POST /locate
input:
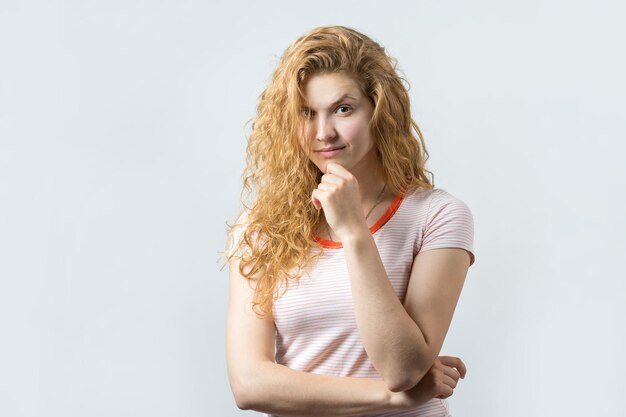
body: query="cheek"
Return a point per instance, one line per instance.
(357, 133)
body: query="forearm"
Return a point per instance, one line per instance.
(279, 390)
(393, 341)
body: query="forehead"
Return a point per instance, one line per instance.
(324, 89)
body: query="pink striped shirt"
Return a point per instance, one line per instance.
(316, 327)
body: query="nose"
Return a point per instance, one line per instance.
(325, 129)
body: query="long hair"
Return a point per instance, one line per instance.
(273, 236)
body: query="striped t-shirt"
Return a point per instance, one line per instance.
(316, 328)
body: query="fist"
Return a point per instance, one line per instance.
(439, 382)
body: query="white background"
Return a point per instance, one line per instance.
(122, 137)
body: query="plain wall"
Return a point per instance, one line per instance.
(122, 136)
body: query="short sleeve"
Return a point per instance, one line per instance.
(236, 234)
(449, 224)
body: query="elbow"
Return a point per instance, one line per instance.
(242, 402)
(409, 373)
(404, 380)
(244, 392)
(248, 384)
(401, 384)
(242, 396)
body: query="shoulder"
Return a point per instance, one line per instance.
(426, 200)
(449, 223)
(442, 196)
(236, 233)
(418, 197)
(237, 229)
(423, 199)
(429, 207)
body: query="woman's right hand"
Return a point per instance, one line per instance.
(439, 382)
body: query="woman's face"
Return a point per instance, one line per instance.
(338, 127)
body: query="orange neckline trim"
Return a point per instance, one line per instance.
(395, 204)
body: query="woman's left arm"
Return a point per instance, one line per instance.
(402, 341)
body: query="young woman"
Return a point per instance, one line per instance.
(346, 267)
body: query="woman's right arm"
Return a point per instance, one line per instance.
(258, 383)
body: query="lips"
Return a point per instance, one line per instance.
(330, 148)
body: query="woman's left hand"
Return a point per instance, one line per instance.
(338, 195)
(439, 382)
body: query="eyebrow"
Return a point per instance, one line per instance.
(340, 99)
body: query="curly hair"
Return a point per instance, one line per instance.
(276, 237)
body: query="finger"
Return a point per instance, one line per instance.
(335, 168)
(445, 392)
(452, 372)
(454, 362)
(332, 179)
(449, 381)
(326, 187)
(316, 203)
(317, 198)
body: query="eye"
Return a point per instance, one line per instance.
(344, 107)
(306, 112)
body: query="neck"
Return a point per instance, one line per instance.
(371, 181)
